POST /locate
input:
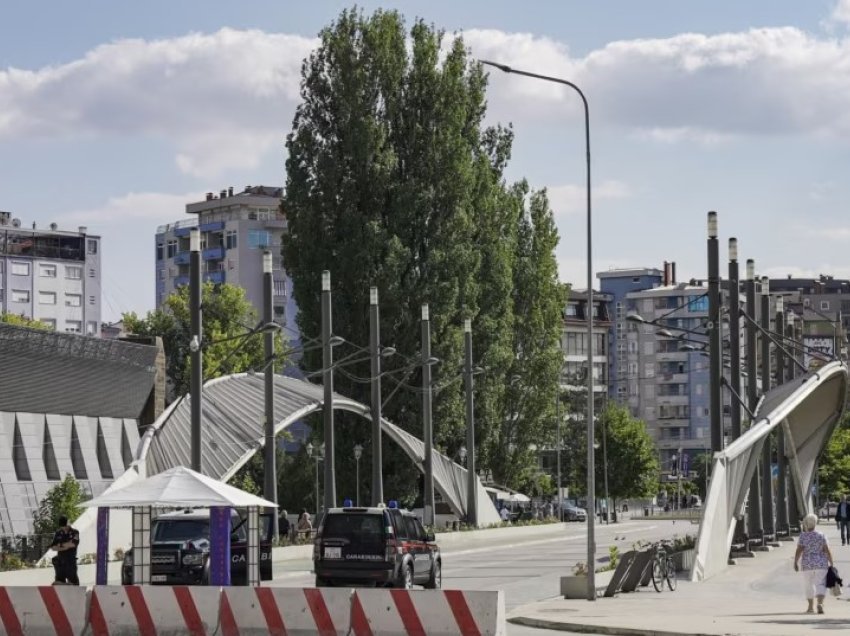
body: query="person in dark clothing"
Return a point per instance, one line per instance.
(65, 542)
(283, 525)
(842, 518)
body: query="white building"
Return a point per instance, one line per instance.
(51, 275)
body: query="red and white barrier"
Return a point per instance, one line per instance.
(148, 610)
(249, 611)
(432, 612)
(59, 610)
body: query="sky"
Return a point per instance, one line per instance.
(114, 115)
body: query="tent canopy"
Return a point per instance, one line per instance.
(178, 487)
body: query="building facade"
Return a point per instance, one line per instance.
(235, 231)
(51, 275)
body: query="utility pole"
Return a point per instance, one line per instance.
(781, 463)
(754, 521)
(714, 344)
(270, 450)
(791, 370)
(558, 448)
(196, 344)
(328, 382)
(767, 512)
(375, 351)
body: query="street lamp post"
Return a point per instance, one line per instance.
(328, 386)
(426, 417)
(196, 355)
(591, 485)
(375, 352)
(471, 484)
(358, 453)
(270, 450)
(317, 457)
(714, 344)
(768, 520)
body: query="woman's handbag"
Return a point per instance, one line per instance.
(833, 581)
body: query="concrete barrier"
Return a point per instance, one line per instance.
(56, 610)
(154, 611)
(247, 611)
(432, 612)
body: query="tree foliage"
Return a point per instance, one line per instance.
(22, 321)
(227, 316)
(63, 500)
(394, 182)
(834, 466)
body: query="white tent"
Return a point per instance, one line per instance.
(178, 487)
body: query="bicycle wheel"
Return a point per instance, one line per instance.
(658, 573)
(670, 574)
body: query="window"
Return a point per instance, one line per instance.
(20, 296)
(92, 300)
(50, 323)
(824, 305)
(73, 300)
(698, 304)
(20, 269)
(159, 251)
(91, 328)
(73, 272)
(230, 239)
(73, 326)
(47, 271)
(46, 298)
(280, 288)
(161, 274)
(91, 246)
(92, 272)
(258, 238)
(171, 248)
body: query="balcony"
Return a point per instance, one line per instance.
(182, 258)
(215, 277)
(184, 231)
(672, 356)
(672, 378)
(673, 422)
(212, 226)
(181, 280)
(214, 253)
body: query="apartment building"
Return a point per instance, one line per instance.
(51, 275)
(235, 230)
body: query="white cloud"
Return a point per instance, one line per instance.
(149, 207)
(841, 12)
(828, 233)
(222, 98)
(570, 199)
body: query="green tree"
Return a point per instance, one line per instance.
(227, 315)
(834, 465)
(63, 500)
(393, 181)
(23, 321)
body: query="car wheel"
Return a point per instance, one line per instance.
(322, 582)
(435, 582)
(406, 580)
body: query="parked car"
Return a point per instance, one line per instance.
(375, 546)
(180, 549)
(827, 510)
(574, 513)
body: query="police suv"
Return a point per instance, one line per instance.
(375, 546)
(180, 549)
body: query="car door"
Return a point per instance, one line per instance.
(425, 558)
(416, 541)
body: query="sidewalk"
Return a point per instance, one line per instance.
(757, 596)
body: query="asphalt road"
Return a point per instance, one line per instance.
(527, 570)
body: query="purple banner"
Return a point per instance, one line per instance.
(102, 560)
(219, 545)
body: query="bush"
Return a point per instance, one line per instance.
(63, 500)
(11, 562)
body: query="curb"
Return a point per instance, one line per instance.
(584, 628)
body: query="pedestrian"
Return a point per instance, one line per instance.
(550, 510)
(504, 514)
(65, 542)
(283, 525)
(304, 526)
(842, 519)
(813, 557)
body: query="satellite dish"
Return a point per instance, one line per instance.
(53, 226)
(16, 223)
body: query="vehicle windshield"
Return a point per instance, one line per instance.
(362, 528)
(181, 530)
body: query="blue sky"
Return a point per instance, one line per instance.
(115, 115)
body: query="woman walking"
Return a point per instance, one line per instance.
(814, 557)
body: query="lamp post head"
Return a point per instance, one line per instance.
(326, 280)
(780, 305)
(358, 451)
(502, 67)
(268, 266)
(309, 449)
(386, 352)
(635, 317)
(733, 249)
(467, 325)
(373, 295)
(751, 269)
(462, 452)
(194, 240)
(712, 225)
(765, 286)
(194, 344)
(425, 312)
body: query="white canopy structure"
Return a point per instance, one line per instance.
(177, 487)
(807, 409)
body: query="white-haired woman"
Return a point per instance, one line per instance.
(813, 557)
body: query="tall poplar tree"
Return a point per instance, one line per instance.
(393, 181)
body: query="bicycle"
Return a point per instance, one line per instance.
(663, 567)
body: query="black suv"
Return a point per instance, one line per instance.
(378, 546)
(180, 550)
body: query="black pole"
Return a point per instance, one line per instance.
(427, 425)
(375, 351)
(734, 336)
(781, 463)
(754, 521)
(791, 371)
(714, 351)
(196, 344)
(767, 511)
(471, 485)
(270, 450)
(328, 381)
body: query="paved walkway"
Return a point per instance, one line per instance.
(758, 596)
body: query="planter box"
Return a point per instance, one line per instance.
(576, 586)
(684, 560)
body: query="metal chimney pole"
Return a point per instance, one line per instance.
(714, 344)
(767, 510)
(781, 463)
(791, 372)
(328, 382)
(734, 337)
(375, 351)
(754, 521)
